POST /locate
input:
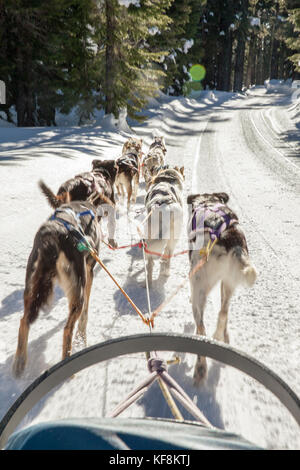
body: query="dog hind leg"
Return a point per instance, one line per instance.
(135, 187)
(38, 291)
(221, 333)
(20, 358)
(129, 193)
(81, 331)
(76, 304)
(166, 259)
(171, 232)
(198, 303)
(72, 278)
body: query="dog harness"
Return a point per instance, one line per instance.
(213, 219)
(130, 159)
(92, 183)
(162, 167)
(163, 195)
(153, 160)
(77, 232)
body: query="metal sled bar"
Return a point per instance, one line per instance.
(140, 343)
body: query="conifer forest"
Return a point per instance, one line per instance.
(115, 54)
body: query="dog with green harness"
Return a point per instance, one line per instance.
(59, 255)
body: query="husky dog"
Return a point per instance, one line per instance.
(56, 257)
(211, 219)
(128, 169)
(154, 159)
(98, 183)
(164, 205)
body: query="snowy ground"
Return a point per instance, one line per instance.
(247, 146)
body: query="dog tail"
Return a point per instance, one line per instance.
(40, 274)
(54, 200)
(248, 271)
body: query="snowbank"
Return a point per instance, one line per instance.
(278, 86)
(4, 122)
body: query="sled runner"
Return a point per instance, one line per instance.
(112, 433)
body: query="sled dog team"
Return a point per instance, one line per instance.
(79, 205)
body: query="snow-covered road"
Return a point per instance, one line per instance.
(246, 146)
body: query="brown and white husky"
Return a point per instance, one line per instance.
(211, 219)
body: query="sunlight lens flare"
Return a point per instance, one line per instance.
(197, 72)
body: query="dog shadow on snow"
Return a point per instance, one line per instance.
(204, 396)
(134, 286)
(14, 302)
(11, 387)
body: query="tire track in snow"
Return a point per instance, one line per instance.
(237, 173)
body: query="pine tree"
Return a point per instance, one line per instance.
(44, 56)
(217, 31)
(293, 40)
(130, 66)
(182, 39)
(242, 28)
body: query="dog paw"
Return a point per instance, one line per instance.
(223, 337)
(164, 273)
(200, 373)
(226, 337)
(112, 243)
(80, 340)
(18, 366)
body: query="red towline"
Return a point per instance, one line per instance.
(141, 244)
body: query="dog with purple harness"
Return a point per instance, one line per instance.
(213, 223)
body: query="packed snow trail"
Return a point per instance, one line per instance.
(246, 146)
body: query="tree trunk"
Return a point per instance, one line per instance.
(225, 63)
(274, 48)
(250, 74)
(275, 59)
(241, 47)
(110, 57)
(239, 64)
(25, 103)
(20, 99)
(259, 62)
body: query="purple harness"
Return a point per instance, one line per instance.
(214, 232)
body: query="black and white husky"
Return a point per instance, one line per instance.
(154, 159)
(211, 219)
(164, 205)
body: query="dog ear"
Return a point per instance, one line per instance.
(191, 198)
(223, 197)
(163, 144)
(125, 146)
(182, 170)
(96, 163)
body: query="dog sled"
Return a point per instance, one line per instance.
(114, 433)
